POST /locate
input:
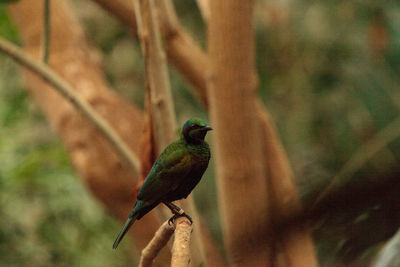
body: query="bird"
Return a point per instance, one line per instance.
(174, 174)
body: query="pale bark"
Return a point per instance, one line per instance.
(157, 75)
(182, 51)
(160, 240)
(192, 62)
(297, 244)
(204, 6)
(181, 254)
(69, 93)
(161, 100)
(181, 246)
(241, 181)
(94, 159)
(389, 255)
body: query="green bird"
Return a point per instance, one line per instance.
(174, 174)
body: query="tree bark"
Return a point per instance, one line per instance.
(160, 240)
(241, 181)
(181, 256)
(94, 159)
(161, 100)
(192, 62)
(118, 198)
(182, 51)
(291, 237)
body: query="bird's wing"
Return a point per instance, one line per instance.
(166, 174)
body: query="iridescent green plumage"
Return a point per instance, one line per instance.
(174, 174)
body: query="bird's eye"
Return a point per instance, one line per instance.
(193, 125)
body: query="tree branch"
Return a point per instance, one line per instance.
(46, 32)
(181, 246)
(120, 9)
(389, 255)
(204, 6)
(160, 240)
(295, 241)
(156, 72)
(193, 63)
(98, 165)
(161, 98)
(68, 92)
(182, 51)
(361, 156)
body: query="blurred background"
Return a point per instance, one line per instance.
(329, 75)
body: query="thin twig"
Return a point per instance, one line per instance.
(69, 93)
(160, 240)
(154, 65)
(157, 74)
(204, 7)
(181, 246)
(389, 255)
(182, 50)
(139, 22)
(362, 155)
(46, 32)
(122, 9)
(161, 96)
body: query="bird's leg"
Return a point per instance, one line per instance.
(178, 212)
(174, 208)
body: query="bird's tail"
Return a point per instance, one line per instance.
(124, 229)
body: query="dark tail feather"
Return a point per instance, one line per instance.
(124, 229)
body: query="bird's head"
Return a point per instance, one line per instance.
(194, 130)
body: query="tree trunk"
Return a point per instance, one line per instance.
(241, 181)
(94, 159)
(291, 237)
(192, 63)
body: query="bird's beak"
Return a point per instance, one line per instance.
(207, 128)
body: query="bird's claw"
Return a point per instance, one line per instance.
(188, 217)
(177, 215)
(171, 220)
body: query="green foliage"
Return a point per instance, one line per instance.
(328, 74)
(8, 1)
(48, 218)
(7, 29)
